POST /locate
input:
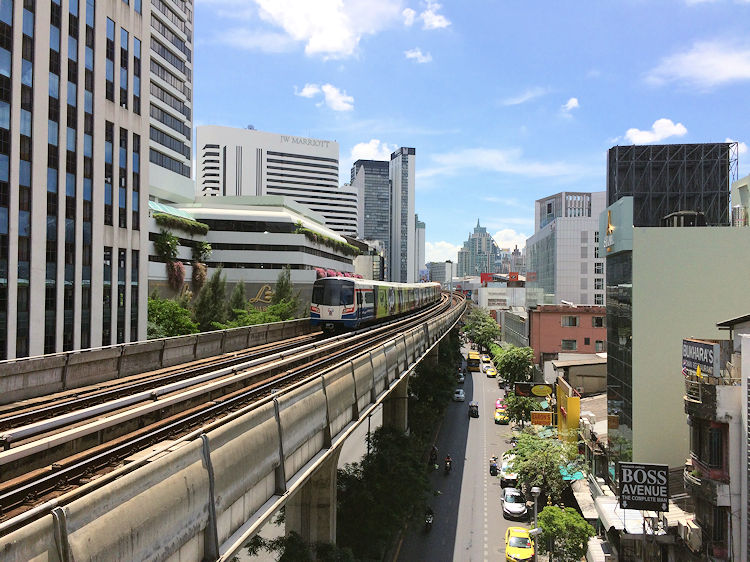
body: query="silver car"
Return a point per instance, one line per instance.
(514, 504)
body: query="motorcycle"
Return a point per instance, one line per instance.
(448, 466)
(428, 518)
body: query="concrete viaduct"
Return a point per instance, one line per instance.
(203, 496)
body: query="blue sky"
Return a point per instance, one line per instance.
(505, 102)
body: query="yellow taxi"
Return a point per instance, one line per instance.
(518, 545)
(502, 417)
(490, 372)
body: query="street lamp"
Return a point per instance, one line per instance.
(535, 491)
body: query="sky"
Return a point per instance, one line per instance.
(505, 102)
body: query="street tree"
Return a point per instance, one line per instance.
(565, 534)
(238, 301)
(481, 327)
(520, 407)
(167, 318)
(515, 364)
(538, 461)
(211, 303)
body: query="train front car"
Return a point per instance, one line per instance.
(333, 306)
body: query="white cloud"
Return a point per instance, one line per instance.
(373, 150)
(336, 99)
(525, 96)
(510, 161)
(441, 251)
(706, 65)
(660, 130)
(309, 91)
(572, 103)
(741, 146)
(418, 56)
(430, 17)
(409, 16)
(509, 238)
(328, 28)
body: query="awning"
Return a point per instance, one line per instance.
(585, 501)
(162, 208)
(570, 476)
(628, 520)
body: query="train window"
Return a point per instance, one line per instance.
(333, 293)
(369, 298)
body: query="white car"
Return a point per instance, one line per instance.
(458, 395)
(507, 476)
(514, 504)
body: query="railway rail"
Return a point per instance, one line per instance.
(52, 460)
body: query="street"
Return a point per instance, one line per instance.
(468, 525)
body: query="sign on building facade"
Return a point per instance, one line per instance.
(644, 486)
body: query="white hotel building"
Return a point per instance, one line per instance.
(246, 162)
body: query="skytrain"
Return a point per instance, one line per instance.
(340, 303)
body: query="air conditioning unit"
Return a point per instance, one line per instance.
(694, 536)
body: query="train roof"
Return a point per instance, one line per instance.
(358, 281)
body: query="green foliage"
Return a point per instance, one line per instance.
(181, 223)
(538, 462)
(318, 238)
(566, 532)
(379, 494)
(210, 306)
(165, 244)
(515, 364)
(167, 318)
(520, 407)
(283, 289)
(238, 301)
(293, 548)
(201, 250)
(481, 327)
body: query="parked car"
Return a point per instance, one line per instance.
(473, 409)
(502, 417)
(514, 504)
(500, 403)
(508, 477)
(518, 544)
(458, 395)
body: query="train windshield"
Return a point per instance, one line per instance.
(333, 293)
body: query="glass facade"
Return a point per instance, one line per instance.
(619, 357)
(377, 200)
(541, 257)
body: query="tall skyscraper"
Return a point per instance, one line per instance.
(370, 177)
(479, 254)
(171, 100)
(419, 247)
(70, 266)
(402, 254)
(563, 253)
(249, 162)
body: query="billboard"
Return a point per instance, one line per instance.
(532, 389)
(486, 278)
(644, 486)
(700, 358)
(513, 276)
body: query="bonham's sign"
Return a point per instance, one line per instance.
(644, 486)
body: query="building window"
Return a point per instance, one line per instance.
(586, 341)
(597, 321)
(596, 236)
(599, 299)
(599, 346)
(110, 67)
(569, 321)
(596, 252)
(716, 447)
(599, 268)
(598, 283)
(569, 345)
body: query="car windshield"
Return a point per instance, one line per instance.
(514, 498)
(520, 542)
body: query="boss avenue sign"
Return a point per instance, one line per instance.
(644, 486)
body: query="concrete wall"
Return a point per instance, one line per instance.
(207, 496)
(685, 281)
(21, 379)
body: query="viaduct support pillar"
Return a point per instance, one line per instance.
(396, 406)
(311, 511)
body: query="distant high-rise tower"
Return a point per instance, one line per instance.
(370, 177)
(479, 254)
(402, 255)
(73, 192)
(419, 242)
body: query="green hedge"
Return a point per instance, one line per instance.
(313, 236)
(188, 225)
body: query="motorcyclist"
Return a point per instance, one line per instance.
(448, 463)
(429, 516)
